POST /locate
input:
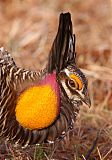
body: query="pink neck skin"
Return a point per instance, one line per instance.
(50, 79)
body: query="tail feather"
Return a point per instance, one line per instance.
(63, 49)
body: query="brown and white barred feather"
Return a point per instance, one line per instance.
(11, 78)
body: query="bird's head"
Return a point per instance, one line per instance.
(75, 85)
(71, 79)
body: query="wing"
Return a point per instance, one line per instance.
(14, 73)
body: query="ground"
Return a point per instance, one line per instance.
(27, 30)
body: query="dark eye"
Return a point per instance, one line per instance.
(72, 83)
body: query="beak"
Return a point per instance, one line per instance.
(86, 100)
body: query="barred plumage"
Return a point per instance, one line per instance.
(14, 80)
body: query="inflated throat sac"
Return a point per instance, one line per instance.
(37, 107)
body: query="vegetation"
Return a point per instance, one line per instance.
(27, 30)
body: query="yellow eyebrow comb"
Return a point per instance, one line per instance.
(77, 79)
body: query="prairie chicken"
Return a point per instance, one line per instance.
(38, 107)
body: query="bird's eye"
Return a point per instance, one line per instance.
(77, 81)
(72, 83)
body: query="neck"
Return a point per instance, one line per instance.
(51, 80)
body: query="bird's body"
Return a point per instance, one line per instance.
(36, 107)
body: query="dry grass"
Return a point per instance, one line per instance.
(27, 29)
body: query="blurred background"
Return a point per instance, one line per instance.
(27, 30)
